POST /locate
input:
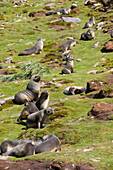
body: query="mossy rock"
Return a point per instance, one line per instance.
(110, 117)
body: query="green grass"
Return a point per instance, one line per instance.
(70, 121)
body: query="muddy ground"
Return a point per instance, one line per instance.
(35, 165)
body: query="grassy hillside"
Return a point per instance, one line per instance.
(83, 139)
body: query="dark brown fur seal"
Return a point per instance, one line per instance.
(43, 100)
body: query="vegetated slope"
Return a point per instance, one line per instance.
(83, 139)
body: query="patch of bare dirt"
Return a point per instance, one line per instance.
(36, 14)
(3, 72)
(109, 78)
(35, 165)
(59, 27)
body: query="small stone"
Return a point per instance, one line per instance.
(78, 60)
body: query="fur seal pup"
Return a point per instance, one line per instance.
(43, 100)
(72, 90)
(21, 150)
(63, 11)
(29, 108)
(68, 68)
(88, 35)
(36, 49)
(90, 23)
(74, 5)
(67, 45)
(31, 93)
(89, 2)
(50, 143)
(36, 120)
(65, 54)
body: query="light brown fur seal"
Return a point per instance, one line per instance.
(51, 143)
(31, 93)
(68, 68)
(36, 49)
(88, 35)
(29, 108)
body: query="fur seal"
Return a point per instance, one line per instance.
(88, 35)
(43, 100)
(63, 11)
(68, 68)
(31, 93)
(51, 143)
(36, 49)
(8, 145)
(74, 5)
(67, 45)
(21, 150)
(90, 23)
(65, 54)
(36, 120)
(72, 90)
(29, 108)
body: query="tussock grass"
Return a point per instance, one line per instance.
(28, 69)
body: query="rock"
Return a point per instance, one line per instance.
(103, 59)
(95, 85)
(8, 45)
(96, 64)
(71, 19)
(92, 72)
(8, 60)
(78, 60)
(101, 111)
(50, 6)
(96, 45)
(108, 47)
(3, 101)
